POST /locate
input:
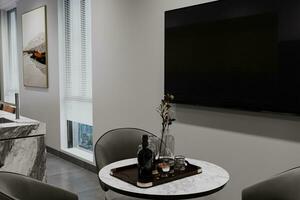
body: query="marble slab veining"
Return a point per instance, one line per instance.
(25, 156)
(22, 146)
(20, 128)
(211, 178)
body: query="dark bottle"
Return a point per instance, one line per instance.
(145, 161)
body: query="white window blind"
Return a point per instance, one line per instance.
(9, 55)
(77, 72)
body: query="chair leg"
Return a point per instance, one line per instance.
(105, 196)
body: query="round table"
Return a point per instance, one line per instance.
(212, 179)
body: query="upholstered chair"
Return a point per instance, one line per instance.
(115, 145)
(19, 187)
(284, 186)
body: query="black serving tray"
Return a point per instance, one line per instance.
(129, 174)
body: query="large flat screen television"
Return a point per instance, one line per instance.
(240, 54)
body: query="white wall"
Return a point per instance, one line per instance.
(128, 67)
(128, 61)
(37, 103)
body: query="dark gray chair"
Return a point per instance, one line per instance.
(117, 144)
(19, 187)
(284, 186)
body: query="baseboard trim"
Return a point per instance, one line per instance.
(73, 160)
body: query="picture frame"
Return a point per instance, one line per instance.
(35, 48)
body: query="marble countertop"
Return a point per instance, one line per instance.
(212, 179)
(20, 128)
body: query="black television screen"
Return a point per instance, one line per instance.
(241, 54)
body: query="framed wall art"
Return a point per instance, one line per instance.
(35, 58)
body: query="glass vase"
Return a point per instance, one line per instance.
(154, 142)
(167, 145)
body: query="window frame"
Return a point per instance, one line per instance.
(10, 62)
(66, 136)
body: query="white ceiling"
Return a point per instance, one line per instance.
(8, 4)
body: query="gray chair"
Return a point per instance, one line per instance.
(19, 187)
(117, 144)
(284, 186)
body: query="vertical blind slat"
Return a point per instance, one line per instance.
(77, 70)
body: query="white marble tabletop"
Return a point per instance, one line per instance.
(212, 179)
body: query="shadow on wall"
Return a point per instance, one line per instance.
(285, 127)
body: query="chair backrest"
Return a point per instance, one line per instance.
(284, 186)
(19, 187)
(117, 144)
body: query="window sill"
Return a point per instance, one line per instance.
(80, 154)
